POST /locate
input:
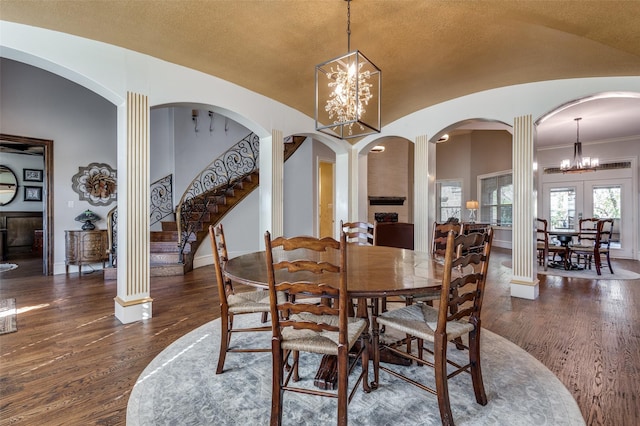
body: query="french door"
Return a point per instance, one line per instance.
(565, 203)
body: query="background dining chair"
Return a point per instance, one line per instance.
(232, 303)
(438, 249)
(324, 328)
(544, 248)
(439, 237)
(593, 244)
(360, 233)
(586, 239)
(458, 314)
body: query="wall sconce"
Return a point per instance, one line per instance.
(211, 122)
(194, 116)
(377, 148)
(472, 206)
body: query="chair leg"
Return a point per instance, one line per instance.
(596, 260)
(224, 339)
(365, 364)
(609, 263)
(442, 387)
(476, 370)
(276, 391)
(296, 359)
(343, 381)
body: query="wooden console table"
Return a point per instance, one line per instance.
(83, 247)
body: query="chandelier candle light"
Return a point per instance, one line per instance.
(580, 164)
(348, 93)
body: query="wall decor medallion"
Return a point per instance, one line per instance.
(96, 184)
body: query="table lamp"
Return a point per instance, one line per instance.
(472, 206)
(87, 217)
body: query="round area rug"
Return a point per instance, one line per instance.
(4, 267)
(180, 387)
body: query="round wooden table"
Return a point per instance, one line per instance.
(373, 272)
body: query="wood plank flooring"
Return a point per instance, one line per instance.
(71, 362)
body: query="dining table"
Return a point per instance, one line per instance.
(373, 273)
(565, 237)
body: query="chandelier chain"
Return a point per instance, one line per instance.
(348, 25)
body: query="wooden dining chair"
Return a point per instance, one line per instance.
(324, 328)
(439, 237)
(360, 233)
(458, 314)
(543, 247)
(232, 303)
(594, 243)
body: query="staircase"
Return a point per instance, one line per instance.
(165, 257)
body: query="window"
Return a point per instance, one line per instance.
(496, 198)
(448, 200)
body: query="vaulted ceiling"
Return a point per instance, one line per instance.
(429, 51)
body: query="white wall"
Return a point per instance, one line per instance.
(299, 193)
(82, 125)
(193, 152)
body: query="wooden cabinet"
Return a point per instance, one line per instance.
(83, 247)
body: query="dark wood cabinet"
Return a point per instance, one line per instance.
(84, 247)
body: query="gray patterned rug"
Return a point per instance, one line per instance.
(4, 267)
(8, 323)
(180, 387)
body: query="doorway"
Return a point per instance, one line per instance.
(325, 198)
(42, 147)
(565, 203)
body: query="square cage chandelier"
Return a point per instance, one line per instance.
(348, 93)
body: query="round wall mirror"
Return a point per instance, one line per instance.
(8, 185)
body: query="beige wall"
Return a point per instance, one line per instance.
(471, 153)
(390, 174)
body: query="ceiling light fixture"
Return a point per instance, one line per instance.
(580, 164)
(348, 106)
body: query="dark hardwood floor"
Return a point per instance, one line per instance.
(71, 362)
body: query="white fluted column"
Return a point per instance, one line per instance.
(524, 282)
(133, 301)
(424, 192)
(272, 184)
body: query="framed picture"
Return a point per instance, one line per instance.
(32, 175)
(33, 193)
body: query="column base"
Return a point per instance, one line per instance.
(525, 290)
(133, 310)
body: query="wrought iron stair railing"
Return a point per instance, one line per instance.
(160, 207)
(214, 181)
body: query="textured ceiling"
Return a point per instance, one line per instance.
(429, 51)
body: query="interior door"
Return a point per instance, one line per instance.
(565, 203)
(325, 199)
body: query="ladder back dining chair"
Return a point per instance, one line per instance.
(234, 303)
(458, 315)
(323, 328)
